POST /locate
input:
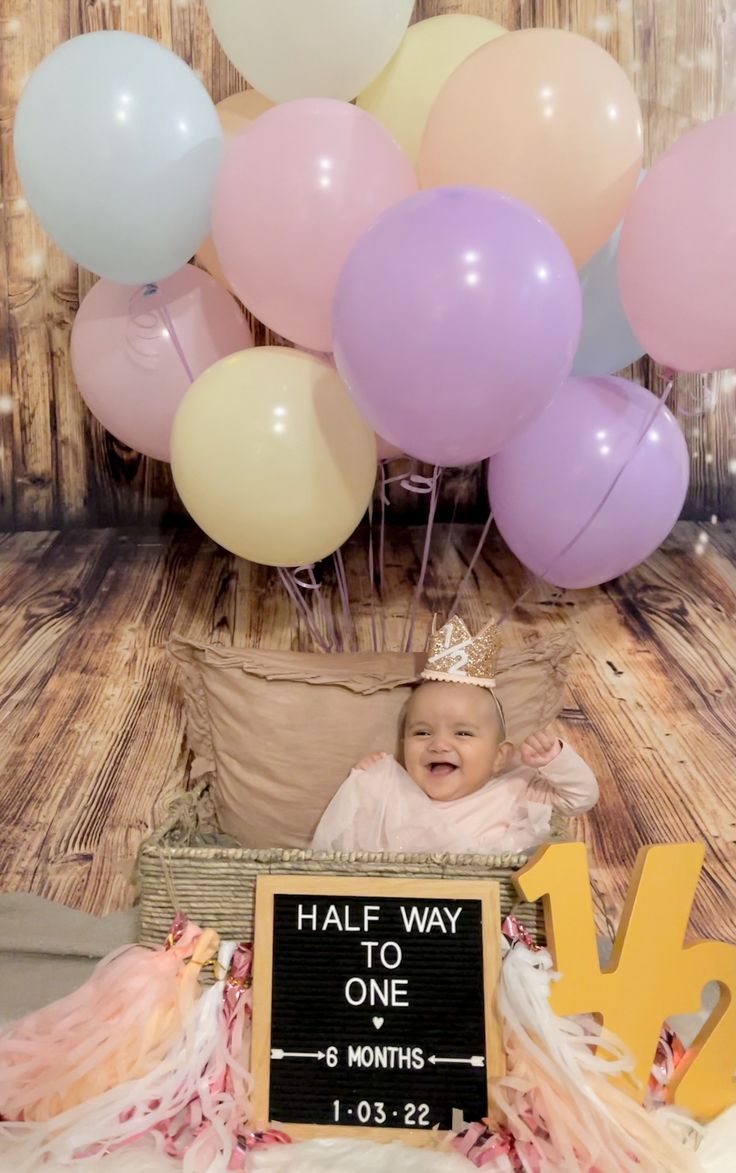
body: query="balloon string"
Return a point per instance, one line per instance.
(382, 557)
(471, 564)
(164, 311)
(319, 604)
(670, 377)
(422, 485)
(292, 586)
(342, 584)
(372, 576)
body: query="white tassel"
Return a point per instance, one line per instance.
(124, 1113)
(717, 1150)
(556, 1070)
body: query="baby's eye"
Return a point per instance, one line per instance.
(464, 733)
(421, 733)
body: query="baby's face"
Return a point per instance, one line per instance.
(452, 739)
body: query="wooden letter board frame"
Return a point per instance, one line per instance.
(267, 887)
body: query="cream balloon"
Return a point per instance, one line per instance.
(310, 48)
(236, 113)
(271, 457)
(402, 96)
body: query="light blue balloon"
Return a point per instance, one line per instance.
(118, 145)
(607, 342)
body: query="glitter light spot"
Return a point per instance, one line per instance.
(709, 458)
(707, 58)
(12, 26)
(728, 381)
(6, 405)
(37, 263)
(604, 24)
(714, 519)
(732, 467)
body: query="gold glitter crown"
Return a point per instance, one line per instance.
(455, 655)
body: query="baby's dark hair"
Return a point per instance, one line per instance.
(404, 713)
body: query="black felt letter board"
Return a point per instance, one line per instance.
(373, 1010)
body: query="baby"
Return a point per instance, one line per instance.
(458, 785)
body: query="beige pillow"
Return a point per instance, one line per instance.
(282, 730)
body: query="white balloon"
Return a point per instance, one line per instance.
(117, 144)
(310, 48)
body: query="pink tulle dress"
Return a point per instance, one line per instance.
(382, 809)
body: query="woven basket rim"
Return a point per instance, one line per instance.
(155, 848)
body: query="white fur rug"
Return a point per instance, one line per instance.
(314, 1156)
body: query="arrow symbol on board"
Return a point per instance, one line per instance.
(277, 1053)
(473, 1061)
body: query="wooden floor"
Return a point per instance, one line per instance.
(91, 733)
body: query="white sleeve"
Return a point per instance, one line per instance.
(571, 785)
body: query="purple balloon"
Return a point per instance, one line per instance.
(550, 483)
(456, 319)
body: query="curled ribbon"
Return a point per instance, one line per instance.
(515, 933)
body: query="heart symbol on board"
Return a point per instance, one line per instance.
(378, 1023)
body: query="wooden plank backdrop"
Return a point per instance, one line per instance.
(58, 467)
(91, 727)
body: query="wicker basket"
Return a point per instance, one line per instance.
(189, 866)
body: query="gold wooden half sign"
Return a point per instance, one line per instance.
(653, 973)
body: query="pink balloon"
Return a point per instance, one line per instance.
(294, 194)
(546, 485)
(136, 350)
(677, 257)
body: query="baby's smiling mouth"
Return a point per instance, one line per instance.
(441, 769)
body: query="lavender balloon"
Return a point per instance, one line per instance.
(456, 319)
(551, 483)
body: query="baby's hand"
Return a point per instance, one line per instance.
(370, 760)
(540, 749)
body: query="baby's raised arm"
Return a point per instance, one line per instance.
(569, 784)
(370, 760)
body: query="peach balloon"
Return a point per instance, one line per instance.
(548, 117)
(236, 114)
(385, 450)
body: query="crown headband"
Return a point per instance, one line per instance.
(457, 657)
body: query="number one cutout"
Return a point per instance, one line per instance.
(652, 973)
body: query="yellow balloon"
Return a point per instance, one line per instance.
(236, 114)
(271, 457)
(402, 96)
